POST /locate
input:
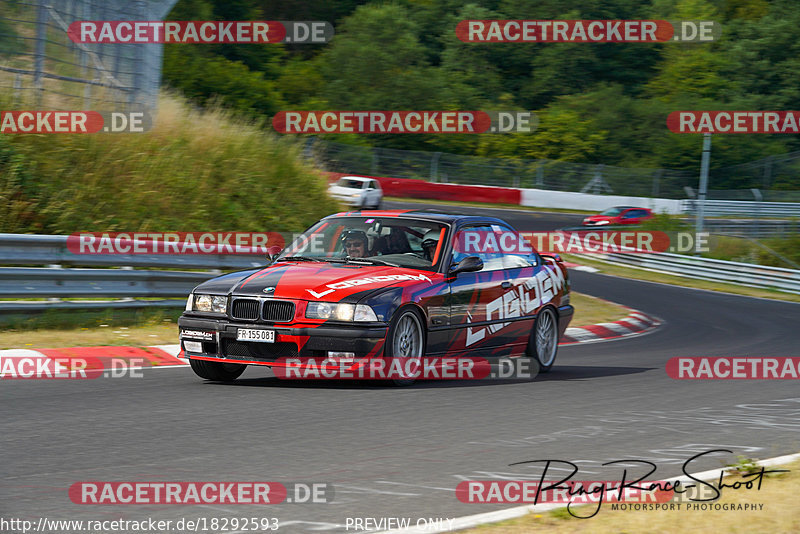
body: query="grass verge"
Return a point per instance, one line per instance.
(592, 310)
(651, 276)
(78, 328)
(778, 494)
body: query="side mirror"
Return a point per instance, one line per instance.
(273, 252)
(556, 257)
(470, 264)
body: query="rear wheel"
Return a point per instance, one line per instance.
(217, 371)
(405, 344)
(543, 343)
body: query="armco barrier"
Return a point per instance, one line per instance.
(32, 249)
(123, 285)
(542, 198)
(34, 282)
(720, 208)
(746, 274)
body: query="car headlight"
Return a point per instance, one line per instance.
(603, 222)
(355, 195)
(340, 311)
(210, 303)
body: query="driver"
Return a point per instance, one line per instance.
(354, 243)
(429, 243)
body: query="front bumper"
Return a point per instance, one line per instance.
(565, 314)
(218, 340)
(348, 200)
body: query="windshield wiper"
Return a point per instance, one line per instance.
(298, 258)
(371, 261)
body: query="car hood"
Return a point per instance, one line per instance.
(323, 281)
(600, 218)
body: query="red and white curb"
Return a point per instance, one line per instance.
(101, 358)
(635, 324)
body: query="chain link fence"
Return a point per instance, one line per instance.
(40, 65)
(757, 178)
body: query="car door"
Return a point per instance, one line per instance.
(632, 216)
(532, 283)
(476, 304)
(373, 194)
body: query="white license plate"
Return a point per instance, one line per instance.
(254, 334)
(193, 346)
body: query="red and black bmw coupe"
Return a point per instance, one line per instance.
(383, 284)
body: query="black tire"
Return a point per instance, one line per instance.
(406, 340)
(543, 343)
(217, 371)
(378, 205)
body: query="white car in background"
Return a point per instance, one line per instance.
(357, 191)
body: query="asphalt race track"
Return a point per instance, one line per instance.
(400, 452)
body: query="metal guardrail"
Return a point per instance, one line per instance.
(752, 208)
(33, 249)
(752, 227)
(122, 284)
(60, 283)
(746, 274)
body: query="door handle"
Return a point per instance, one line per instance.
(506, 284)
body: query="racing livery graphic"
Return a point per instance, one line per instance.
(381, 285)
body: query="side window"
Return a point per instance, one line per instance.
(479, 241)
(518, 251)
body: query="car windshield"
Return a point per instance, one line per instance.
(349, 182)
(613, 211)
(395, 241)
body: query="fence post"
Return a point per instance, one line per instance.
(17, 89)
(656, 180)
(41, 38)
(702, 190)
(767, 172)
(375, 161)
(759, 197)
(435, 166)
(540, 175)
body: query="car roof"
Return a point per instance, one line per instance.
(359, 178)
(427, 215)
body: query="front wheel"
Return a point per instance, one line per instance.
(405, 346)
(217, 371)
(543, 344)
